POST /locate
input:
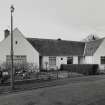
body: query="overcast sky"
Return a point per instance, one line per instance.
(65, 19)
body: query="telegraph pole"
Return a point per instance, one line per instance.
(12, 52)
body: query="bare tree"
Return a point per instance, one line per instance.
(91, 37)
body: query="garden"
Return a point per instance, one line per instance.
(29, 71)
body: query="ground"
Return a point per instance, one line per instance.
(82, 91)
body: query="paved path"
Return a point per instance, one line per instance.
(78, 91)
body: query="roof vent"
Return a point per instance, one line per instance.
(59, 39)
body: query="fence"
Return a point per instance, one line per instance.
(43, 76)
(67, 71)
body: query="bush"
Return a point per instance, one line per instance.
(21, 70)
(86, 69)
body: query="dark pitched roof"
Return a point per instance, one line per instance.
(49, 47)
(92, 46)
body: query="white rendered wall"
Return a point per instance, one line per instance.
(23, 47)
(75, 59)
(81, 60)
(45, 59)
(100, 52)
(59, 61)
(88, 60)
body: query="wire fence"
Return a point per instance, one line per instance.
(40, 76)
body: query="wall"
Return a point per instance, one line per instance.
(45, 60)
(23, 47)
(100, 52)
(75, 59)
(58, 61)
(81, 60)
(88, 60)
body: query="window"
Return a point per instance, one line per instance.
(102, 59)
(16, 58)
(16, 42)
(52, 61)
(70, 60)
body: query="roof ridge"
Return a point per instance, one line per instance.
(53, 47)
(54, 39)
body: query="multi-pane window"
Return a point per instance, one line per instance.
(16, 58)
(69, 60)
(52, 60)
(102, 59)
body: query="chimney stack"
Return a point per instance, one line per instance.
(6, 33)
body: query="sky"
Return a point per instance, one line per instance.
(53, 19)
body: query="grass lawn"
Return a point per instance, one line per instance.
(77, 93)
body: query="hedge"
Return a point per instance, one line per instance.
(86, 69)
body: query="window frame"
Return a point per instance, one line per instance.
(69, 58)
(52, 60)
(16, 58)
(101, 59)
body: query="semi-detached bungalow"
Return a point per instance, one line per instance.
(50, 54)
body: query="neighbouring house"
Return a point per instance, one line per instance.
(49, 54)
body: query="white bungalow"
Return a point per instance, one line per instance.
(50, 54)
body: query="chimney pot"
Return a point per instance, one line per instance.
(6, 33)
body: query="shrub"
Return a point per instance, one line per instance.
(86, 69)
(21, 70)
(23, 67)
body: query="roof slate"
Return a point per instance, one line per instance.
(49, 47)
